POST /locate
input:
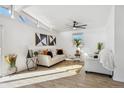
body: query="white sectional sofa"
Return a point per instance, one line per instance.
(46, 60)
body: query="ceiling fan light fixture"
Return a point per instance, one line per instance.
(74, 28)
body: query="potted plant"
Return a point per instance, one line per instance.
(77, 43)
(36, 53)
(11, 60)
(100, 46)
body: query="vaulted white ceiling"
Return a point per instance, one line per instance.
(59, 16)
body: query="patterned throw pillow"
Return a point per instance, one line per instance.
(45, 52)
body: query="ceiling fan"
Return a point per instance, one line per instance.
(76, 25)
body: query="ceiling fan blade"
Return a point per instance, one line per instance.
(76, 25)
(69, 25)
(83, 25)
(67, 28)
(79, 26)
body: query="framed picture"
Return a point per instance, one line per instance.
(40, 39)
(51, 40)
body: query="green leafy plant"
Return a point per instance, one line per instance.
(77, 42)
(35, 53)
(11, 60)
(100, 46)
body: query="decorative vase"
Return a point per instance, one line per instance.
(12, 70)
(77, 51)
(11, 59)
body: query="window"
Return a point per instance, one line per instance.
(4, 11)
(23, 19)
(78, 37)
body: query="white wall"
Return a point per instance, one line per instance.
(91, 38)
(103, 34)
(119, 43)
(17, 39)
(110, 30)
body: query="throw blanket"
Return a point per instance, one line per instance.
(107, 59)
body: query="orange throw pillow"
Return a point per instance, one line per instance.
(45, 52)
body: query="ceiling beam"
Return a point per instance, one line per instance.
(19, 8)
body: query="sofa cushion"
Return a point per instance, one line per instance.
(59, 51)
(45, 52)
(58, 58)
(50, 53)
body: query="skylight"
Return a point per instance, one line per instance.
(4, 11)
(23, 19)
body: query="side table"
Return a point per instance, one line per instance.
(34, 61)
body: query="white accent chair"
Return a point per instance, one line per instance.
(93, 65)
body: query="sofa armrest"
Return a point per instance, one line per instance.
(44, 60)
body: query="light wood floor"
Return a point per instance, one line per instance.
(81, 80)
(58, 65)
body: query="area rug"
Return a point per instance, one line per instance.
(42, 74)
